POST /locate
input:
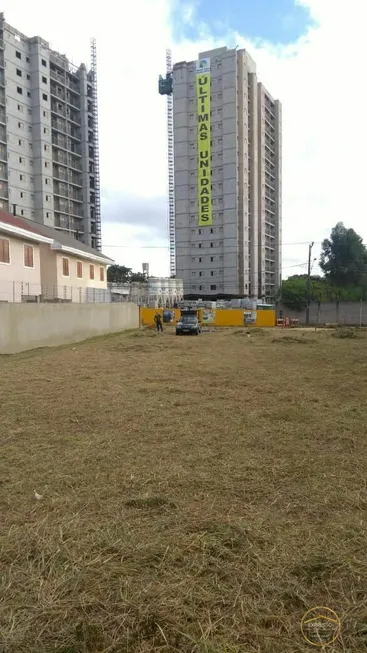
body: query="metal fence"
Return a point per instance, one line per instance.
(24, 292)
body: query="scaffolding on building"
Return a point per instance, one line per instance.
(166, 88)
(93, 48)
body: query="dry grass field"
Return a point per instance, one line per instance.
(199, 495)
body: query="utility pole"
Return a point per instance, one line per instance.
(308, 285)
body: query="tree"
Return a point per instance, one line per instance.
(118, 274)
(293, 292)
(138, 277)
(344, 257)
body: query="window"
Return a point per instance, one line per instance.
(20, 142)
(28, 94)
(91, 271)
(20, 108)
(22, 194)
(29, 113)
(20, 159)
(19, 90)
(47, 214)
(21, 177)
(47, 181)
(45, 130)
(47, 198)
(23, 213)
(4, 251)
(46, 164)
(101, 274)
(28, 256)
(27, 59)
(211, 244)
(19, 72)
(213, 286)
(79, 269)
(44, 62)
(212, 273)
(44, 80)
(212, 259)
(44, 96)
(45, 147)
(20, 124)
(65, 267)
(18, 55)
(28, 76)
(45, 114)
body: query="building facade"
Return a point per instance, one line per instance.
(228, 177)
(49, 165)
(43, 264)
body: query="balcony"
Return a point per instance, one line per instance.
(73, 133)
(73, 101)
(76, 210)
(59, 125)
(59, 173)
(61, 205)
(4, 192)
(3, 171)
(57, 91)
(57, 107)
(74, 179)
(59, 157)
(3, 153)
(2, 97)
(74, 163)
(56, 75)
(3, 135)
(61, 189)
(2, 78)
(59, 141)
(65, 222)
(78, 197)
(74, 88)
(73, 116)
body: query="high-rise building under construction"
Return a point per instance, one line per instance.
(227, 177)
(49, 165)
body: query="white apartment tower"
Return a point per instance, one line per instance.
(228, 177)
(49, 159)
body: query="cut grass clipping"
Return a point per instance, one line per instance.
(193, 495)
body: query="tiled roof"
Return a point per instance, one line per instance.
(16, 221)
(57, 235)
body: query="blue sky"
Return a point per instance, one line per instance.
(275, 21)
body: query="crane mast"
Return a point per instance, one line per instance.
(166, 88)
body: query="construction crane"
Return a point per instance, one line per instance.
(97, 190)
(165, 87)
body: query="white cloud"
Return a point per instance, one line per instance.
(319, 81)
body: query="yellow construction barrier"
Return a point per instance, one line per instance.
(221, 317)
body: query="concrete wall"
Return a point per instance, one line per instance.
(27, 326)
(349, 313)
